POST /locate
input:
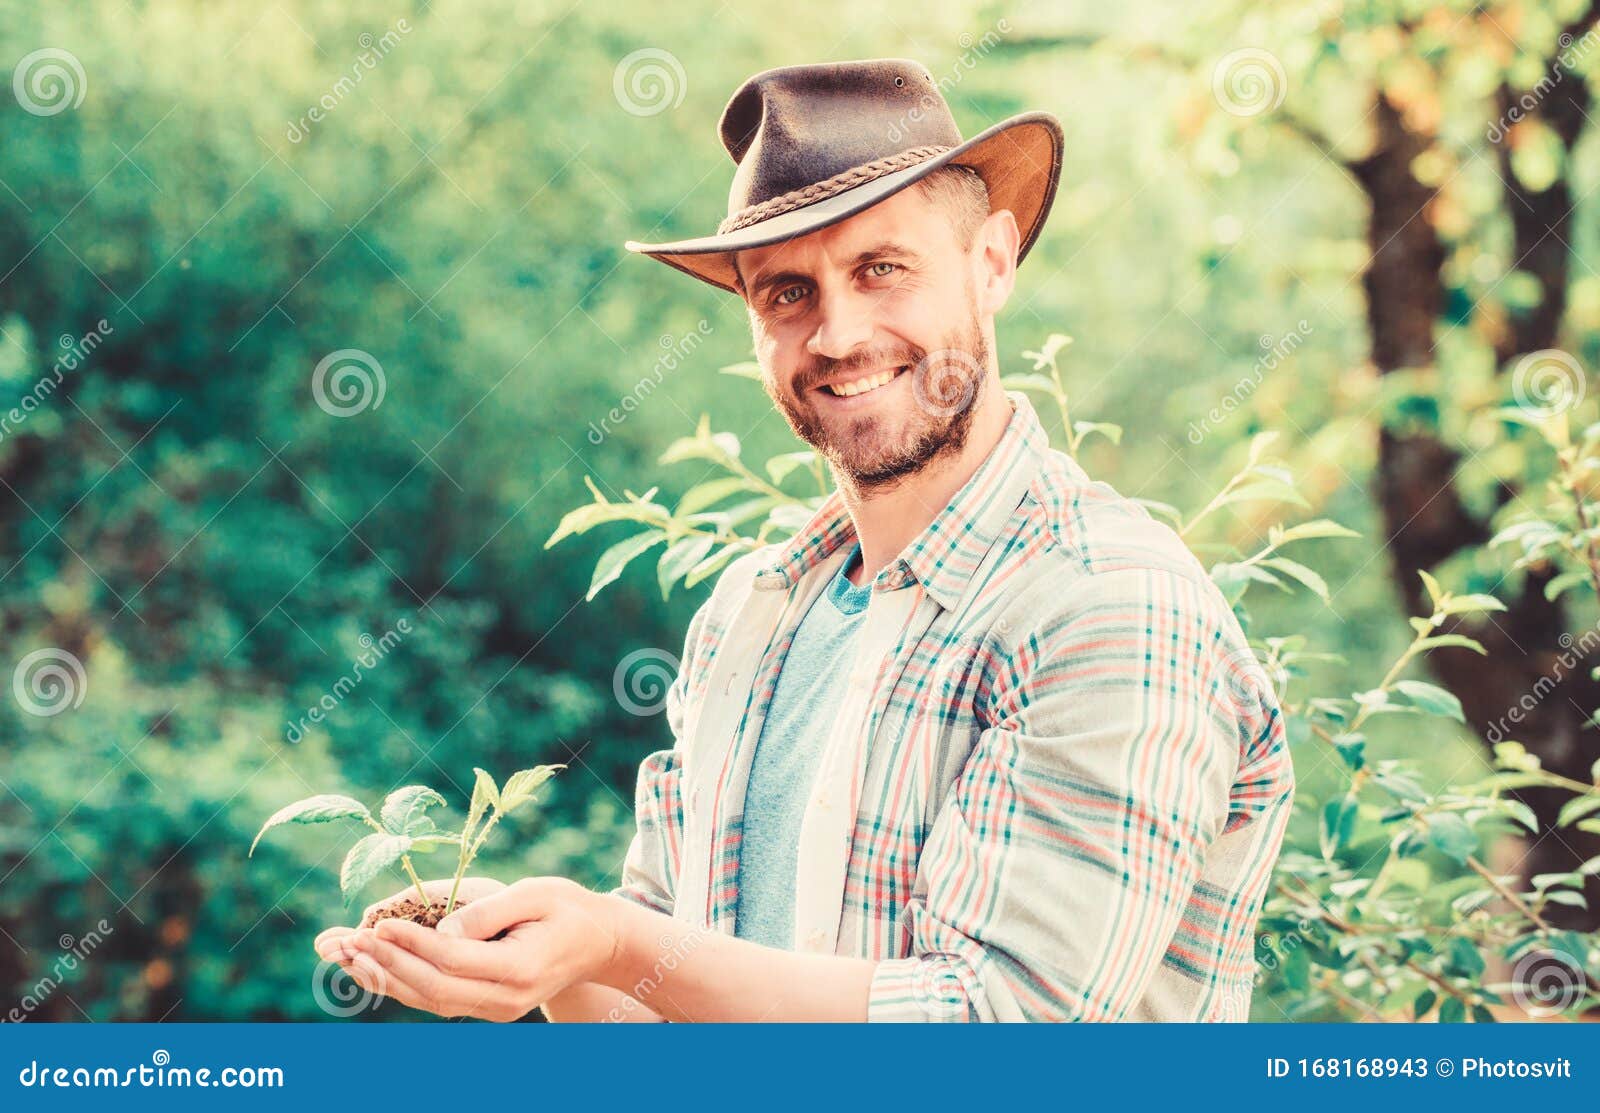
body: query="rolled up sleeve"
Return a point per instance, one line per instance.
(1061, 861)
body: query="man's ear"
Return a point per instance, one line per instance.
(997, 243)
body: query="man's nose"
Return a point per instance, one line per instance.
(844, 323)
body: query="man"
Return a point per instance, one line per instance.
(982, 741)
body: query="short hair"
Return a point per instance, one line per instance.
(961, 192)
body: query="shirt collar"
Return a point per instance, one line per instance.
(943, 556)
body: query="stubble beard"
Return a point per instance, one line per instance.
(876, 452)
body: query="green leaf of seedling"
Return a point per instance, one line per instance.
(404, 810)
(368, 858)
(520, 787)
(484, 796)
(314, 809)
(745, 370)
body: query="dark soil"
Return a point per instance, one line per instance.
(411, 909)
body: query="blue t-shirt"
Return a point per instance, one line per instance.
(810, 689)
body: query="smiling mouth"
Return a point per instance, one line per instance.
(866, 383)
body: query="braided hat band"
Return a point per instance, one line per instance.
(828, 187)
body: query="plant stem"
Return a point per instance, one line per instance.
(405, 860)
(467, 855)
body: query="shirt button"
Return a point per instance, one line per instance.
(816, 939)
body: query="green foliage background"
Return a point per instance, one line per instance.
(184, 519)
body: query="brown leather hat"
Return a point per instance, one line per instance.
(817, 144)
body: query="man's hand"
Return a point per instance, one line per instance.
(557, 934)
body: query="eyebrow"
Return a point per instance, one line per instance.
(880, 250)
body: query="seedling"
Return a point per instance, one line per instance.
(404, 828)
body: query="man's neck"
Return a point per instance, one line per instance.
(887, 521)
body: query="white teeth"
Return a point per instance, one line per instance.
(861, 386)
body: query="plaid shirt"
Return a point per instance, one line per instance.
(1057, 784)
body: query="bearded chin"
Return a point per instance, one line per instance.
(873, 454)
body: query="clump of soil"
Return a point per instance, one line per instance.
(411, 909)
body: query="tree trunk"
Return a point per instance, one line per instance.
(1425, 521)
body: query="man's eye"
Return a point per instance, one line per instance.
(882, 270)
(783, 297)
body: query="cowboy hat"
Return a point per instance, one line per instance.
(817, 144)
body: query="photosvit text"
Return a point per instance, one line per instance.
(1395, 1067)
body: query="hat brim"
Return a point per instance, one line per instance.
(1019, 160)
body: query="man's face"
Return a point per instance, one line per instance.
(869, 337)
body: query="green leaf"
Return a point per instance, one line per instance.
(314, 809)
(1320, 527)
(368, 858)
(616, 558)
(710, 493)
(1263, 490)
(1338, 825)
(1298, 571)
(1106, 429)
(1041, 383)
(1444, 641)
(585, 518)
(1435, 592)
(1452, 836)
(1563, 583)
(1431, 699)
(710, 565)
(484, 796)
(679, 558)
(1470, 604)
(745, 370)
(1352, 749)
(404, 808)
(1465, 957)
(1452, 1011)
(521, 786)
(1576, 808)
(1424, 1003)
(779, 467)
